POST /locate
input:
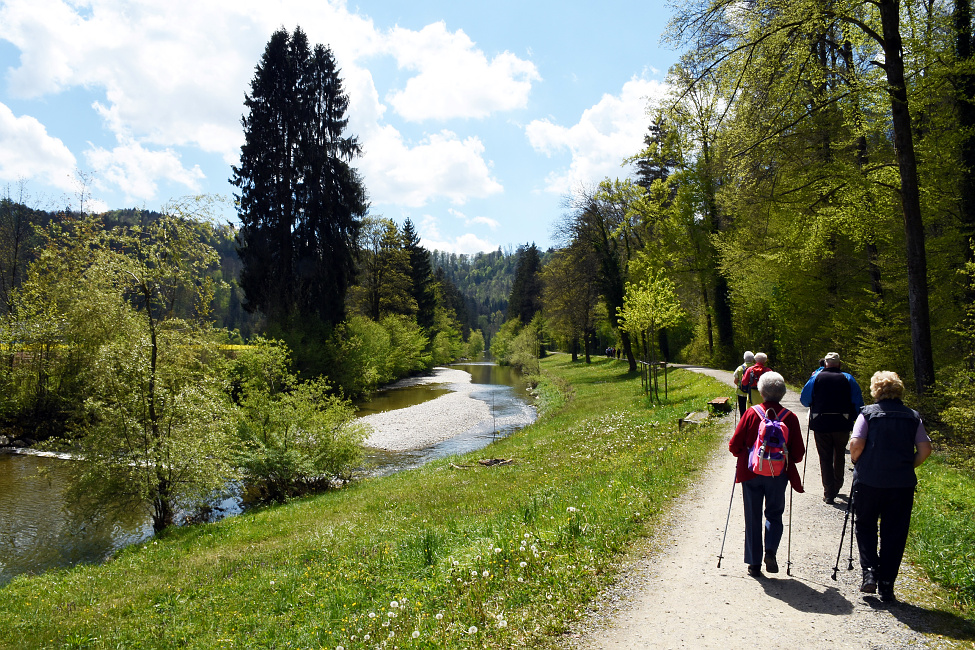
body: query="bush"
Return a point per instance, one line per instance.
(294, 436)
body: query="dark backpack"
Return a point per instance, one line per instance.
(769, 455)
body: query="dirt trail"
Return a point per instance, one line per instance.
(674, 596)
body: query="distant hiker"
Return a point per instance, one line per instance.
(758, 488)
(834, 400)
(888, 442)
(749, 380)
(822, 364)
(749, 360)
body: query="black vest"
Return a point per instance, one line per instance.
(832, 406)
(888, 459)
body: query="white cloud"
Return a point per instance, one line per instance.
(136, 170)
(173, 75)
(607, 133)
(454, 78)
(441, 166)
(28, 152)
(432, 239)
(474, 221)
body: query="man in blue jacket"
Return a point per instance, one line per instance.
(834, 399)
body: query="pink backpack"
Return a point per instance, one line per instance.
(769, 455)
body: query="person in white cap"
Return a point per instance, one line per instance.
(749, 361)
(834, 399)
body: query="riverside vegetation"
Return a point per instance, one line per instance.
(453, 554)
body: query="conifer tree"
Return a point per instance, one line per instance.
(421, 275)
(526, 291)
(300, 201)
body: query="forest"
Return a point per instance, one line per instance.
(806, 186)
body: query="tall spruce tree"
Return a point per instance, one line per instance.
(300, 201)
(526, 292)
(421, 274)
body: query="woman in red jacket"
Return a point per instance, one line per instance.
(770, 490)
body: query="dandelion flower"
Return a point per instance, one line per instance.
(502, 623)
(523, 564)
(472, 630)
(366, 637)
(439, 616)
(497, 550)
(416, 634)
(486, 574)
(522, 549)
(372, 614)
(570, 509)
(473, 573)
(548, 596)
(338, 647)
(394, 604)
(520, 579)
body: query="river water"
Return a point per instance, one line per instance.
(39, 529)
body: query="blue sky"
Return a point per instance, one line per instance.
(477, 119)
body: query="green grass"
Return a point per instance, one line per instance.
(515, 551)
(943, 530)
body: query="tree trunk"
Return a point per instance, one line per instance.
(917, 284)
(628, 350)
(965, 87)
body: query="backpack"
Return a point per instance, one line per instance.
(769, 455)
(757, 372)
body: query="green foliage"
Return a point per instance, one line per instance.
(363, 354)
(107, 309)
(943, 528)
(294, 436)
(475, 345)
(590, 480)
(502, 345)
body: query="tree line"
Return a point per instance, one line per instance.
(805, 186)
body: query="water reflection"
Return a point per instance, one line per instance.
(40, 530)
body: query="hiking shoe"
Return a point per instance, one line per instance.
(886, 590)
(829, 501)
(754, 570)
(770, 564)
(869, 584)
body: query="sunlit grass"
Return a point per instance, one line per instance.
(436, 557)
(943, 530)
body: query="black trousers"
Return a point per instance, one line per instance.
(831, 446)
(892, 507)
(742, 404)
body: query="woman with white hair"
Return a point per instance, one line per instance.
(888, 442)
(749, 361)
(759, 489)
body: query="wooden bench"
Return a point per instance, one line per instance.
(720, 405)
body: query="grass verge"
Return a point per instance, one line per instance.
(943, 531)
(453, 554)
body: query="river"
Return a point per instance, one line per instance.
(39, 529)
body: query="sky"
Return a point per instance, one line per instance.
(477, 119)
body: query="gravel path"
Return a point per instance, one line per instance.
(670, 593)
(426, 424)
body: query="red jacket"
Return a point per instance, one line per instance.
(744, 437)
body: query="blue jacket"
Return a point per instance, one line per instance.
(832, 409)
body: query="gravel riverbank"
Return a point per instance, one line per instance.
(426, 424)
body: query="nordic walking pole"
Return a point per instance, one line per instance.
(853, 521)
(839, 551)
(788, 553)
(728, 518)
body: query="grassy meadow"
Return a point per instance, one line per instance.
(454, 554)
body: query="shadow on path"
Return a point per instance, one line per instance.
(927, 621)
(800, 596)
